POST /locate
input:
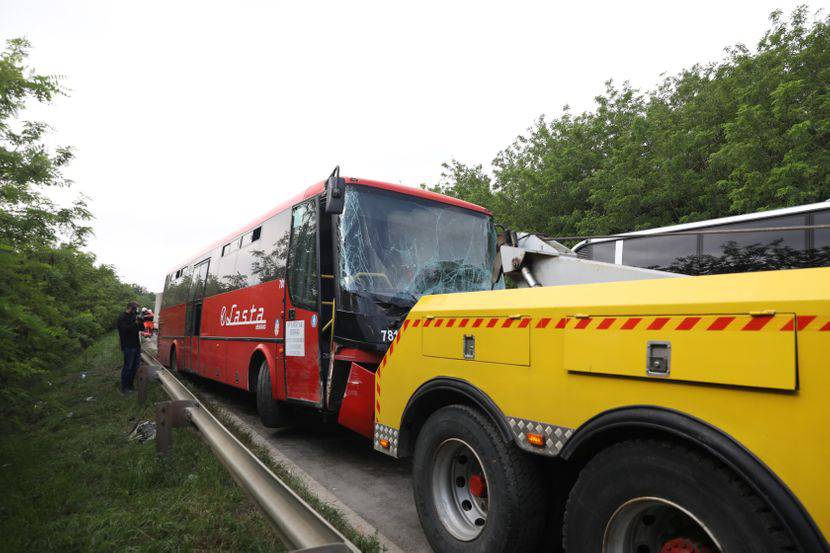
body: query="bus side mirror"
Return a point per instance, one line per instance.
(335, 192)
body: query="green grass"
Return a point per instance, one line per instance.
(366, 543)
(70, 480)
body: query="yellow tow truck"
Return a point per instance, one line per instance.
(604, 410)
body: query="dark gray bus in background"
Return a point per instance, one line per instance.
(713, 253)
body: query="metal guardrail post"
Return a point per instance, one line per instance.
(143, 377)
(170, 415)
(298, 526)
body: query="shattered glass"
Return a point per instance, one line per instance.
(396, 248)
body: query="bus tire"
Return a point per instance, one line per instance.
(649, 495)
(461, 462)
(269, 409)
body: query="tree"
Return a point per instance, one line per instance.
(28, 217)
(748, 133)
(54, 299)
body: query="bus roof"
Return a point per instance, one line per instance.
(315, 189)
(713, 222)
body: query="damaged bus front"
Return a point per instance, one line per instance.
(395, 248)
(391, 248)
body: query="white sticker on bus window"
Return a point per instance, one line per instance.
(294, 338)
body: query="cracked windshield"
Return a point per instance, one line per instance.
(396, 248)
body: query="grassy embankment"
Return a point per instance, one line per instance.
(367, 543)
(70, 480)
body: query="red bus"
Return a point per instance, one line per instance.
(300, 305)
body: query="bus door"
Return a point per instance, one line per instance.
(302, 352)
(193, 316)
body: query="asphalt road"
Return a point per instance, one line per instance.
(375, 486)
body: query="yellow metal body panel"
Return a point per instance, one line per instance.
(709, 349)
(767, 388)
(448, 341)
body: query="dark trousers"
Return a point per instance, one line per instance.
(132, 358)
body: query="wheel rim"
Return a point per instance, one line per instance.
(657, 525)
(459, 489)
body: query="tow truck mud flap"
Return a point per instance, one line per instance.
(503, 340)
(356, 410)
(731, 348)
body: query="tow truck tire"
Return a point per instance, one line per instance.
(648, 495)
(269, 409)
(514, 514)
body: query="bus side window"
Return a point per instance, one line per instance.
(720, 244)
(822, 236)
(269, 257)
(223, 275)
(181, 286)
(165, 294)
(200, 274)
(658, 252)
(599, 251)
(302, 256)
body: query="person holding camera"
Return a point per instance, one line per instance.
(129, 325)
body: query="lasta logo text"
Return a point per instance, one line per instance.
(242, 317)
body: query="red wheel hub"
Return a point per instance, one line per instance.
(478, 486)
(682, 545)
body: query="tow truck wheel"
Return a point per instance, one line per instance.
(659, 497)
(269, 409)
(473, 491)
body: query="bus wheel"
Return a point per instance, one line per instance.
(269, 409)
(653, 496)
(473, 491)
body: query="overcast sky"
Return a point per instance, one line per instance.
(199, 116)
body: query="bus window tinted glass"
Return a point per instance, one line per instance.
(245, 258)
(755, 251)
(271, 251)
(822, 236)
(716, 244)
(261, 258)
(167, 293)
(252, 236)
(302, 265)
(602, 251)
(658, 252)
(178, 290)
(821, 240)
(223, 276)
(200, 274)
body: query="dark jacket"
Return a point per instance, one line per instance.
(128, 328)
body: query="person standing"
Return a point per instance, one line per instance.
(129, 325)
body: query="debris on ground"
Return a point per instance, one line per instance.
(70, 414)
(90, 398)
(143, 431)
(83, 375)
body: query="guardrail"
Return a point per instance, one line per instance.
(299, 526)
